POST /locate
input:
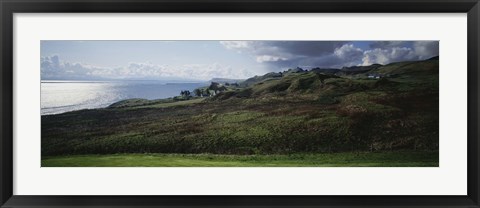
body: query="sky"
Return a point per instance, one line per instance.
(204, 60)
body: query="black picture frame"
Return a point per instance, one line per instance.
(9, 7)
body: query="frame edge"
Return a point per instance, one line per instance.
(6, 106)
(473, 21)
(6, 129)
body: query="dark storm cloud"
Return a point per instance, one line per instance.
(287, 54)
(305, 48)
(426, 49)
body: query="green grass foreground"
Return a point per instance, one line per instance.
(363, 159)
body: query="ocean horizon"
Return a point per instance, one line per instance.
(60, 96)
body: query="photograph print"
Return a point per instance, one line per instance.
(233, 103)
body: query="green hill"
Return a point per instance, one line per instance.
(256, 79)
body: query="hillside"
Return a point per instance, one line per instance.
(372, 108)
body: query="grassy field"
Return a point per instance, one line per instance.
(364, 159)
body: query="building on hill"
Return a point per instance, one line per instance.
(374, 76)
(212, 93)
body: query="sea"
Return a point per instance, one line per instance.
(63, 96)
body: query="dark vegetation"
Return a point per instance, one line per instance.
(296, 111)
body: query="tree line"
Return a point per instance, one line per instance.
(213, 89)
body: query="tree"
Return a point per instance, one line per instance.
(217, 87)
(214, 86)
(198, 92)
(221, 89)
(185, 93)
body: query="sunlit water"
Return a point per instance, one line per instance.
(63, 96)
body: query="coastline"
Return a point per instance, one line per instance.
(59, 96)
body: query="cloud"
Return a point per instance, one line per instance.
(345, 55)
(348, 54)
(236, 44)
(336, 54)
(386, 44)
(426, 49)
(277, 55)
(268, 58)
(53, 68)
(399, 51)
(385, 56)
(284, 54)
